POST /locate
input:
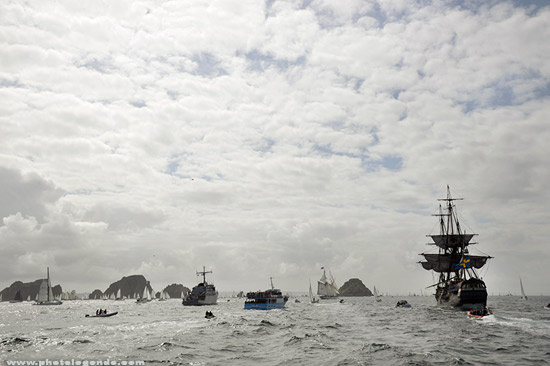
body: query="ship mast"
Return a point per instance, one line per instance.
(203, 273)
(448, 229)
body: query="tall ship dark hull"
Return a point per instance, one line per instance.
(467, 294)
(459, 285)
(201, 295)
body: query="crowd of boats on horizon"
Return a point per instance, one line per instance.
(458, 283)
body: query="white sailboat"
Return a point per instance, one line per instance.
(376, 295)
(523, 296)
(45, 293)
(164, 296)
(326, 288)
(312, 298)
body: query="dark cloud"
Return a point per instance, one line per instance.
(27, 194)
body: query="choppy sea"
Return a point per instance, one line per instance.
(358, 331)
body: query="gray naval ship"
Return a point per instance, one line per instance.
(203, 294)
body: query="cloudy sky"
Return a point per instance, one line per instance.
(270, 139)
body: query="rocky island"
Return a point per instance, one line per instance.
(131, 287)
(354, 288)
(28, 290)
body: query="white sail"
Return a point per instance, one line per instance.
(326, 288)
(118, 294)
(523, 296)
(43, 291)
(376, 295)
(50, 292)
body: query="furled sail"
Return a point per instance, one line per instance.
(446, 262)
(449, 241)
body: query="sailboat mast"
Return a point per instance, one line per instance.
(50, 297)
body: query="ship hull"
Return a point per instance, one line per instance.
(264, 306)
(49, 303)
(207, 300)
(470, 294)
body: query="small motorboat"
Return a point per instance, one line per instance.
(547, 307)
(402, 304)
(209, 315)
(480, 313)
(101, 315)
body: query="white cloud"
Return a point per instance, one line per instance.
(157, 137)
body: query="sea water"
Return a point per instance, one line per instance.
(358, 331)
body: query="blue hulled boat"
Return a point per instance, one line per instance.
(265, 300)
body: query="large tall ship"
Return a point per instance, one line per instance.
(459, 285)
(203, 294)
(326, 287)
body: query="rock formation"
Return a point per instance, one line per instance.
(131, 287)
(176, 290)
(354, 287)
(28, 290)
(96, 295)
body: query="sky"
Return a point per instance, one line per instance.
(270, 139)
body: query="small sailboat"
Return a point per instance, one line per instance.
(145, 297)
(17, 298)
(163, 296)
(312, 298)
(45, 293)
(376, 295)
(523, 296)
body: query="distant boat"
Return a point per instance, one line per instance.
(146, 296)
(17, 298)
(164, 296)
(402, 304)
(203, 294)
(523, 296)
(119, 295)
(265, 300)
(45, 293)
(376, 295)
(326, 288)
(480, 313)
(312, 298)
(101, 315)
